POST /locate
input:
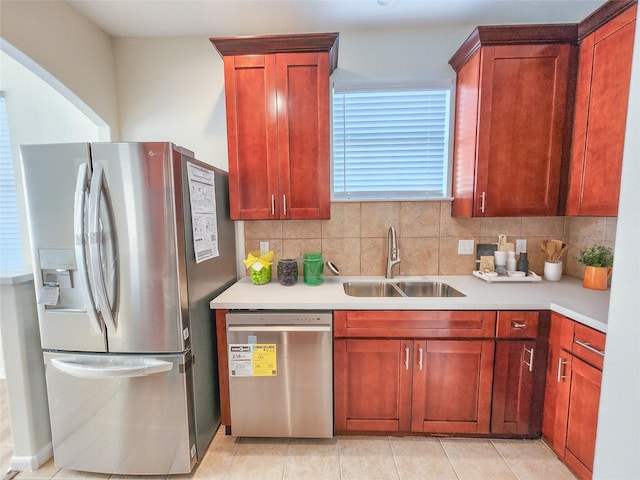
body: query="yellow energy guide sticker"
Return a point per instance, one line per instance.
(264, 360)
(253, 360)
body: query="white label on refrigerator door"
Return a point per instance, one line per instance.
(202, 196)
(252, 360)
(49, 295)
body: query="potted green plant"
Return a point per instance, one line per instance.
(598, 263)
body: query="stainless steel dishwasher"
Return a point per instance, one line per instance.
(281, 373)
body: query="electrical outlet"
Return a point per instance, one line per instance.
(465, 247)
(521, 245)
(264, 247)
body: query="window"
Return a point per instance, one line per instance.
(10, 242)
(390, 144)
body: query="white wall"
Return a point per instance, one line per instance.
(74, 51)
(618, 438)
(173, 88)
(37, 113)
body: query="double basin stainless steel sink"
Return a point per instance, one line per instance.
(400, 289)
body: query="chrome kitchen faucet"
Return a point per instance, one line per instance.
(393, 253)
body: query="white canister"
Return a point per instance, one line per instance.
(511, 261)
(552, 271)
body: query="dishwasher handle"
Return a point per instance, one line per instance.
(279, 328)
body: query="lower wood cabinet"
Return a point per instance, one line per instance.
(435, 386)
(572, 396)
(452, 386)
(519, 373)
(446, 374)
(372, 385)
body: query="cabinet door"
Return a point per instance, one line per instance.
(523, 92)
(452, 386)
(250, 91)
(372, 385)
(465, 138)
(303, 135)
(582, 417)
(511, 410)
(602, 96)
(556, 365)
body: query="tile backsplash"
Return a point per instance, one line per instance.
(355, 238)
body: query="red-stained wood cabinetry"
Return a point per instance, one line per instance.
(277, 102)
(519, 373)
(511, 131)
(416, 371)
(572, 396)
(602, 95)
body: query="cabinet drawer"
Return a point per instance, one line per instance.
(588, 344)
(416, 324)
(517, 324)
(584, 342)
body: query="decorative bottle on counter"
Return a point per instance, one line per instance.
(523, 263)
(511, 261)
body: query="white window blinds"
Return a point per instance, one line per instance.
(390, 144)
(10, 243)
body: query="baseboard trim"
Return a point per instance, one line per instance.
(25, 463)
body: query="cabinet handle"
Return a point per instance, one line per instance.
(284, 204)
(420, 358)
(273, 205)
(482, 199)
(561, 364)
(589, 347)
(520, 326)
(406, 358)
(530, 352)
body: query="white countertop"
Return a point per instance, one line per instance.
(567, 297)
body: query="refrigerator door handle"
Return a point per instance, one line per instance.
(81, 253)
(112, 368)
(95, 244)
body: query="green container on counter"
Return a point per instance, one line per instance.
(313, 268)
(262, 276)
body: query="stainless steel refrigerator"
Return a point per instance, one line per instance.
(130, 242)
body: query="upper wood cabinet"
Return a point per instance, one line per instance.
(277, 101)
(510, 128)
(602, 96)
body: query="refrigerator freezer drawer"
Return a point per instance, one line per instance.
(121, 414)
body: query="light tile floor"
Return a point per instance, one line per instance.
(340, 458)
(359, 457)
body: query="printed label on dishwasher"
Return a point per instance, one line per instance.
(253, 360)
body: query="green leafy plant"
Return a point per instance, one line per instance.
(596, 256)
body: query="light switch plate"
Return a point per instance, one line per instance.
(264, 247)
(521, 245)
(465, 247)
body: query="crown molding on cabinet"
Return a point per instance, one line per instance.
(602, 15)
(534, 34)
(269, 44)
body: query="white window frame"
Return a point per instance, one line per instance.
(380, 195)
